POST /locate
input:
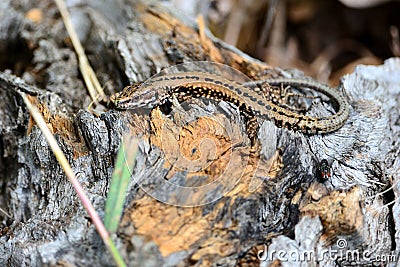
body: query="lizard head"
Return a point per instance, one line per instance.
(139, 96)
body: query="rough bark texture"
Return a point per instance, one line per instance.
(129, 41)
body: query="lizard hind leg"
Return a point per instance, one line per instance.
(281, 96)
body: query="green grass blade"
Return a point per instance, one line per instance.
(120, 179)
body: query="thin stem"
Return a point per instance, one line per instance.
(72, 178)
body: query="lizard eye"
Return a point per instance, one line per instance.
(135, 98)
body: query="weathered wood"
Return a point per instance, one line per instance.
(291, 210)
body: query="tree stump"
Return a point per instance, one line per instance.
(290, 218)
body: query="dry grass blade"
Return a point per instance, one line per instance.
(71, 176)
(5, 213)
(95, 90)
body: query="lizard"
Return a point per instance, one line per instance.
(250, 101)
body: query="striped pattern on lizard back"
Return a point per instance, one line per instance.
(250, 102)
